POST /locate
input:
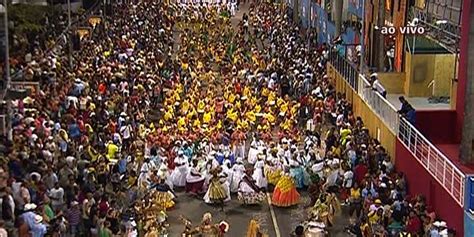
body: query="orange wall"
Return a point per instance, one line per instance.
(371, 120)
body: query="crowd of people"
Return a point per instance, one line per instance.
(165, 99)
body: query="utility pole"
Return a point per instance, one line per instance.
(7, 51)
(70, 32)
(380, 41)
(466, 153)
(337, 13)
(7, 73)
(296, 11)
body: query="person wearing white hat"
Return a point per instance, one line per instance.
(238, 171)
(178, 176)
(194, 178)
(29, 215)
(39, 228)
(258, 174)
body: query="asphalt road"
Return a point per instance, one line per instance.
(238, 216)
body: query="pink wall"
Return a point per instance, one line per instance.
(462, 67)
(421, 182)
(429, 121)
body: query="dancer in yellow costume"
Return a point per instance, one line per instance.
(285, 193)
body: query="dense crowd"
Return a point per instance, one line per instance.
(166, 99)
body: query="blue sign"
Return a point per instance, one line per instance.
(469, 194)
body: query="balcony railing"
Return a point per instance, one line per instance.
(386, 111)
(435, 162)
(347, 70)
(432, 159)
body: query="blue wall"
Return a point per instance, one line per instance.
(469, 207)
(327, 29)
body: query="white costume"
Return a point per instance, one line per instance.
(238, 171)
(194, 175)
(258, 174)
(178, 176)
(227, 178)
(163, 172)
(255, 148)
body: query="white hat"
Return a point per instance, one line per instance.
(180, 152)
(73, 203)
(243, 98)
(38, 219)
(29, 206)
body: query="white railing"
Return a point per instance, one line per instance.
(25, 85)
(435, 162)
(386, 111)
(431, 158)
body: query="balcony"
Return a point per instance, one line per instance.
(434, 161)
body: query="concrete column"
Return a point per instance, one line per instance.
(380, 41)
(337, 15)
(296, 11)
(468, 126)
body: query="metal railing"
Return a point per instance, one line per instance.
(31, 86)
(347, 70)
(386, 111)
(433, 160)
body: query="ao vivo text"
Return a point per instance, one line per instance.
(404, 30)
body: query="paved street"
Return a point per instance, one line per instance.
(238, 216)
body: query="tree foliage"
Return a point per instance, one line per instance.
(29, 18)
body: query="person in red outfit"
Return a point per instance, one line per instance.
(360, 171)
(414, 224)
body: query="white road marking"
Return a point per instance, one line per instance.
(274, 220)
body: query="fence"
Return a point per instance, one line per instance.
(385, 110)
(347, 70)
(434, 161)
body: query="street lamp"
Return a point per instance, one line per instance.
(69, 32)
(4, 10)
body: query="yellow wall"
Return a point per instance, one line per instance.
(371, 120)
(393, 82)
(421, 69)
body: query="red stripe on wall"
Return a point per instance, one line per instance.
(462, 67)
(420, 182)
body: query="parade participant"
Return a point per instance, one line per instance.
(207, 228)
(259, 174)
(226, 177)
(194, 179)
(297, 171)
(216, 192)
(164, 194)
(178, 176)
(238, 172)
(285, 193)
(254, 230)
(249, 193)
